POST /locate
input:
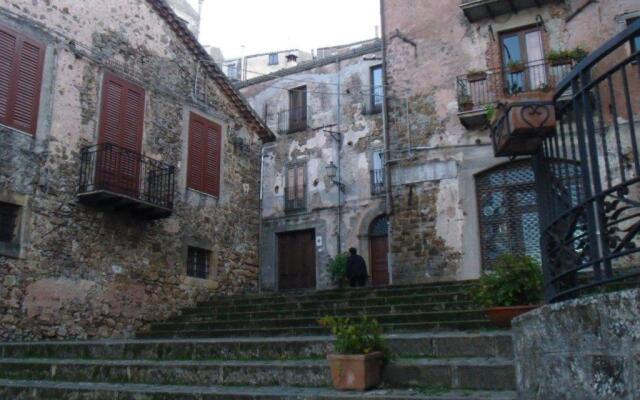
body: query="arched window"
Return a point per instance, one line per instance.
(508, 212)
(379, 226)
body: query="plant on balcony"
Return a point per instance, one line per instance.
(512, 287)
(515, 66)
(559, 57)
(490, 113)
(359, 350)
(579, 53)
(474, 75)
(465, 102)
(338, 269)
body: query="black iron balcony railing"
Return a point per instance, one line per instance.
(373, 102)
(377, 181)
(110, 173)
(293, 120)
(296, 201)
(477, 90)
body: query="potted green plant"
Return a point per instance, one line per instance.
(465, 102)
(359, 352)
(559, 57)
(475, 75)
(515, 66)
(578, 53)
(338, 269)
(512, 287)
(490, 113)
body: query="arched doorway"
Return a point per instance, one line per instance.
(378, 247)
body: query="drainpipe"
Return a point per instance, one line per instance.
(339, 177)
(385, 130)
(260, 212)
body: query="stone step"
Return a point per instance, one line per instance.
(199, 315)
(314, 330)
(347, 293)
(47, 390)
(390, 318)
(445, 344)
(456, 373)
(306, 303)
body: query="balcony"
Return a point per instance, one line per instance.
(373, 102)
(521, 127)
(478, 10)
(377, 182)
(122, 180)
(293, 120)
(478, 91)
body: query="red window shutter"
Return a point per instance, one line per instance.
(195, 164)
(121, 122)
(21, 61)
(203, 160)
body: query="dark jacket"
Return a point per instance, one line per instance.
(356, 267)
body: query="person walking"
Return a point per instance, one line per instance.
(356, 269)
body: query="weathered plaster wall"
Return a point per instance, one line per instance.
(85, 272)
(580, 349)
(434, 223)
(360, 134)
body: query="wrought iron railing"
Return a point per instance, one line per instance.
(377, 181)
(293, 120)
(372, 104)
(295, 198)
(588, 174)
(111, 168)
(478, 90)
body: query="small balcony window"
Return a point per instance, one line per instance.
(377, 173)
(295, 188)
(376, 93)
(273, 59)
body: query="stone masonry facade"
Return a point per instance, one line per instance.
(434, 158)
(84, 272)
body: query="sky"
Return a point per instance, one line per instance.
(242, 27)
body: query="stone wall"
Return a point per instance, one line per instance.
(434, 212)
(90, 272)
(580, 349)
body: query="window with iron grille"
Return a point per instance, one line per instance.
(295, 188)
(198, 262)
(9, 222)
(376, 89)
(508, 212)
(273, 59)
(377, 173)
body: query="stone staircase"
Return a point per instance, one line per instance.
(270, 347)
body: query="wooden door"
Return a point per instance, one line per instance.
(379, 264)
(121, 124)
(297, 260)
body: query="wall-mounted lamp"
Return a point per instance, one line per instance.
(332, 172)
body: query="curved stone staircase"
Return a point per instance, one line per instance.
(270, 346)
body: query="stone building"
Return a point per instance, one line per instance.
(129, 170)
(323, 181)
(255, 65)
(454, 207)
(190, 12)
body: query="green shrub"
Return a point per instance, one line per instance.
(356, 337)
(338, 267)
(513, 281)
(579, 53)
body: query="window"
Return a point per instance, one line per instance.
(376, 89)
(198, 261)
(635, 41)
(9, 222)
(295, 187)
(377, 172)
(523, 61)
(21, 61)
(508, 212)
(273, 59)
(232, 71)
(203, 164)
(297, 109)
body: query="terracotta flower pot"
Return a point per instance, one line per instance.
(355, 371)
(502, 316)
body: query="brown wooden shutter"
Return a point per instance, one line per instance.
(21, 61)
(203, 161)
(122, 113)
(300, 182)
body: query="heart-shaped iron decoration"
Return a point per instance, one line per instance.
(534, 111)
